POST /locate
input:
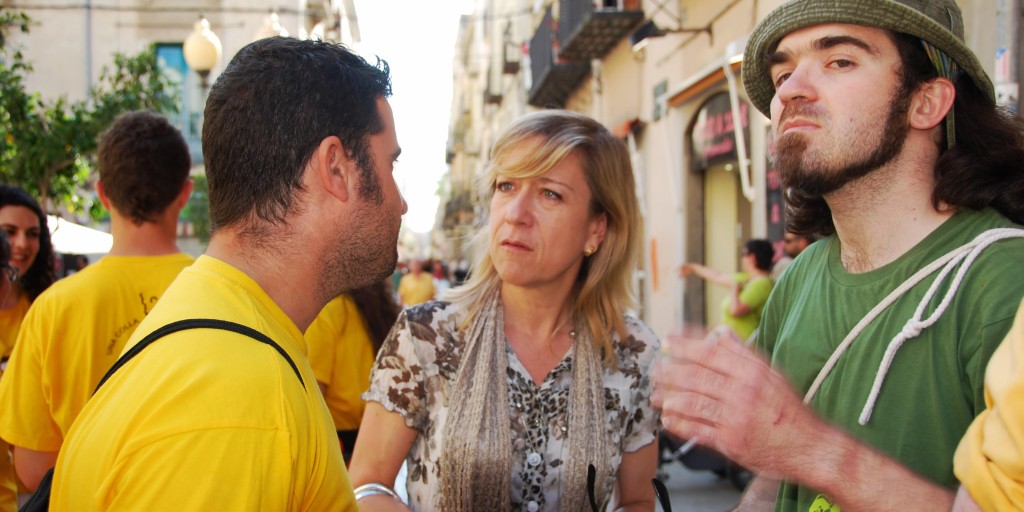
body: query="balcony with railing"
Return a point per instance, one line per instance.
(589, 29)
(553, 78)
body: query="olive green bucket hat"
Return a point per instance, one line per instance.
(938, 22)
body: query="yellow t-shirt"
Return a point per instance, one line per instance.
(990, 459)
(415, 289)
(10, 323)
(207, 419)
(341, 354)
(72, 334)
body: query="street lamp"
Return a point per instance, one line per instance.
(271, 27)
(202, 50)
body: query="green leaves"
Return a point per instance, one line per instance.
(48, 147)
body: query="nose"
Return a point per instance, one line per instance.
(18, 240)
(405, 205)
(518, 209)
(796, 86)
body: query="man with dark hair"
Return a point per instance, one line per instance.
(792, 245)
(76, 328)
(893, 149)
(300, 145)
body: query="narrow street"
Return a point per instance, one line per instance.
(698, 491)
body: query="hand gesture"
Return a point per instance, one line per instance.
(732, 401)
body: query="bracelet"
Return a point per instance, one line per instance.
(367, 490)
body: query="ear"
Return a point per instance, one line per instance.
(333, 169)
(104, 200)
(185, 194)
(598, 229)
(931, 102)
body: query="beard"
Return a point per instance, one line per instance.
(830, 172)
(366, 254)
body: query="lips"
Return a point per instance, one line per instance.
(799, 116)
(515, 245)
(797, 124)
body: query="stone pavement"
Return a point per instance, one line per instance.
(698, 491)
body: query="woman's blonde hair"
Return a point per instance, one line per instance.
(604, 287)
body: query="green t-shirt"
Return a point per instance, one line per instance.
(934, 387)
(753, 293)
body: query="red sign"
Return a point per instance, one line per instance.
(713, 137)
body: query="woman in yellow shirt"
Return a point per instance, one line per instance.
(31, 254)
(24, 223)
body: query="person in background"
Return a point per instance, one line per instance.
(300, 148)
(75, 330)
(891, 146)
(440, 273)
(989, 461)
(8, 273)
(78, 262)
(792, 245)
(501, 398)
(343, 342)
(416, 286)
(748, 289)
(24, 223)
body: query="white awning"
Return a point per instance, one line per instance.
(71, 238)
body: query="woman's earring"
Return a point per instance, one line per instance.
(589, 251)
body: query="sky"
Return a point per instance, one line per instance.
(417, 39)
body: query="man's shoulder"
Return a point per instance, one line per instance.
(995, 242)
(209, 363)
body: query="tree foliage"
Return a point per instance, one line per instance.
(197, 210)
(48, 147)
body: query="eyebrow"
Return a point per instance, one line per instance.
(825, 43)
(545, 179)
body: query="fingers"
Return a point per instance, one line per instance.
(721, 392)
(685, 270)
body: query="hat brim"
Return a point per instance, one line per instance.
(885, 14)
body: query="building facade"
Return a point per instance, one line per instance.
(665, 76)
(70, 42)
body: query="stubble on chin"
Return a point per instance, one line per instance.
(362, 257)
(789, 155)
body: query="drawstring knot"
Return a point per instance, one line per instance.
(912, 329)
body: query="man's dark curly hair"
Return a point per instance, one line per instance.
(143, 162)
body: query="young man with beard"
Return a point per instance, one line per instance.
(892, 147)
(299, 143)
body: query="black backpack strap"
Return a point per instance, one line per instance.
(198, 323)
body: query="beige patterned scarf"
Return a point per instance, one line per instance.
(476, 461)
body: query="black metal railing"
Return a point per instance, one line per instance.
(553, 79)
(588, 33)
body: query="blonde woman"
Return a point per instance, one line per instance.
(501, 396)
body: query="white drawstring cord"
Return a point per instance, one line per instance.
(966, 253)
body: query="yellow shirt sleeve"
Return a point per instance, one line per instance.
(990, 459)
(341, 354)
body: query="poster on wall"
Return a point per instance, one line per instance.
(714, 132)
(775, 202)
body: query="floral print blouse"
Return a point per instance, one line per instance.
(417, 367)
